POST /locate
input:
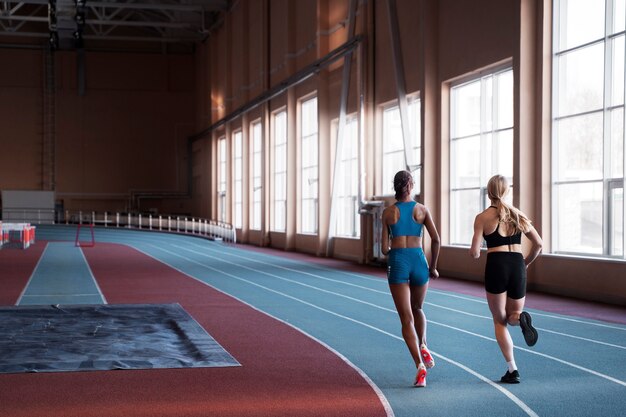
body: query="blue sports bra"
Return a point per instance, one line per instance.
(406, 224)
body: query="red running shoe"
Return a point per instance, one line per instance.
(428, 359)
(420, 378)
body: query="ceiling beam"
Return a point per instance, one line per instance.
(187, 5)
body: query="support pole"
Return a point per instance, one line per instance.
(345, 87)
(398, 65)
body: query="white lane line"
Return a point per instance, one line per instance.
(393, 311)
(370, 382)
(104, 300)
(506, 392)
(431, 290)
(538, 328)
(32, 274)
(387, 292)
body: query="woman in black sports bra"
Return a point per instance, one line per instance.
(501, 226)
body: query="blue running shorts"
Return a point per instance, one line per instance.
(407, 265)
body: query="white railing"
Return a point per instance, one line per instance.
(211, 229)
(28, 215)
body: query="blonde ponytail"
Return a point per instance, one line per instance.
(497, 188)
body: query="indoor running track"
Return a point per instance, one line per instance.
(577, 368)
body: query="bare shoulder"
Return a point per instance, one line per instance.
(420, 212)
(389, 212)
(483, 216)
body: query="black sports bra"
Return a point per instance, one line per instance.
(496, 239)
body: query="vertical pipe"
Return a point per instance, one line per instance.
(398, 64)
(345, 89)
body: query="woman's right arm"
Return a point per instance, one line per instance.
(477, 239)
(384, 235)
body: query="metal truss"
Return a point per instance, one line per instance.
(165, 21)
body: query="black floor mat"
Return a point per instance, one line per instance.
(103, 337)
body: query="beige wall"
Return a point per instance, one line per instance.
(127, 133)
(21, 119)
(441, 41)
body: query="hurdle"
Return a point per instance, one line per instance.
(17, 235)
(80, 244)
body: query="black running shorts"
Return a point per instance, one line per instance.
(506, 271)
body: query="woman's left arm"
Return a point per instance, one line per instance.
(435, 243)
(537, 242)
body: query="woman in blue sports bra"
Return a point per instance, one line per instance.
(407, 269)
(501, 226)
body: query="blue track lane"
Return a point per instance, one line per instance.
(62, 276)
(576, 369)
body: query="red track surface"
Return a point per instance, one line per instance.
(283, 372)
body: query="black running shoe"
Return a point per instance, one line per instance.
(529, 332)
(510, 377)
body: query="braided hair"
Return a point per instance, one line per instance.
(497, 188)
(402, 183)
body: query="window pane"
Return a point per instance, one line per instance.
(393, 158)
(466, 110)
(309, 117)
(579, 218)
(579, 148)
(415, 125)
(279, 216)
(580, 21)
(503, 151)
(417, 176)
(309, 216)
(347, 183)
(309, 168)
(466, 162)
(617, 79)
(617, 222)
(581, 76)
(465, 206)
(255, 214)
(619, 14)
(392, 133)
(280, 169)
(505, 100)
(392, 163)
(617, 143)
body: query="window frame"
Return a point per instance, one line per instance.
(237, 138)
(222, 184)
(309, 182)
(387, 173)
(354, 230)
(283, 147)
(608, 181)
(256, 181)
(487, 135)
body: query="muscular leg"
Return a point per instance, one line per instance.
(513, 310)
(498, 307)
(418, 294)
(402, 299)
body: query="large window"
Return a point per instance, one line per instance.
(257, 178)
(238, 164)
(280, 171)
(481, 145)
(393, 145)
(308, 166)
(221, 179)
(348, 220)
(588, 127)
